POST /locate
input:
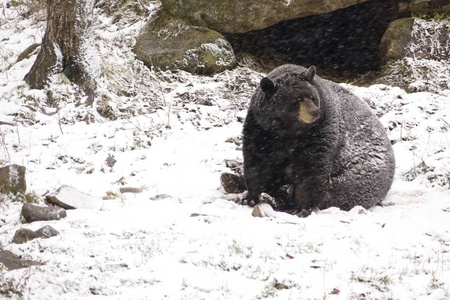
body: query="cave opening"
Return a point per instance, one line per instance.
(345, 40)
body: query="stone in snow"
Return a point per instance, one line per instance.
(262, 210)
(70, 198)
(24, 235)
(32, 213)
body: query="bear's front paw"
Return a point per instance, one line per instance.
(266, 198)
(246, 200)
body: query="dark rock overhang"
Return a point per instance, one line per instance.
(346, 39)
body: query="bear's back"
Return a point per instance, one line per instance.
(364, 168)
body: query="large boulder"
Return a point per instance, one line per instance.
(172, 44)
(246, 15)
(395, 41)
(415, 53)
(424, 7)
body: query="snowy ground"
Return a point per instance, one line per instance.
(171, 137)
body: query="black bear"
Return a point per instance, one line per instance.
(310, 143)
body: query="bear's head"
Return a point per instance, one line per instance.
(291, 101)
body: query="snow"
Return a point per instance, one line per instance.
(182, 237)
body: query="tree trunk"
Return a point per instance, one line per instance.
(65, 46)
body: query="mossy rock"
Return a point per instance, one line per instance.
(168, 43)
(395, 40)
(415, 55)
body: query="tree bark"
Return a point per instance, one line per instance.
(65, 46)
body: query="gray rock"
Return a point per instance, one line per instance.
(246, 15)
(24, 235)
(32, 213)
(70, 198)
(172, 44)
(406, 50)
(12, 179)
(14, 262)
(416, 38)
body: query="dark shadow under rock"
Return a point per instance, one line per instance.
(345, 39)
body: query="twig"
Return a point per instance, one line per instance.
(59, 122)
(3, 142)
(7, 123)
(445, 122)
(130, 190)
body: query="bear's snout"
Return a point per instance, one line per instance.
(308, 112)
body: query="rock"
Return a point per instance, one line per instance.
(24, 235)
(416, 38)
(246, 15)
(70, 198)
(424, 7)
(415, 53)
(396, 39)
(14, 262)
(47, 231)
(12, 179)
(262, 210)
(232, 183)
(110, 161)
(171, 44)
(32, 213)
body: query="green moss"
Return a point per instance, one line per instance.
(435, 16)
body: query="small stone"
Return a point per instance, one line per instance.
(32, 213)
(12, 179)
(110, 161)
(232, 183)
(24, 235)
(47, 231)
(262, 210)
(335, 291)
(70, 198)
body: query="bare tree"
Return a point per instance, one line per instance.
(65, 46)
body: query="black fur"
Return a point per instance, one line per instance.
(343, 158)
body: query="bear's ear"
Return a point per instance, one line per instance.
(267, 85)
(310, 73)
